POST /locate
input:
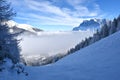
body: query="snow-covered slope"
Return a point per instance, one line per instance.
(92, 24)
(14, 27)
(99, 61)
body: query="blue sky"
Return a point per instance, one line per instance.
(63, 15)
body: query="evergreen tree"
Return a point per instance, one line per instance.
(118, 23)
(95, 37)
(113, 27)
(6, 12)
(104, 31)
(86, 42)
(8, 43)
(118, 26)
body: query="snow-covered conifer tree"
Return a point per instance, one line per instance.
(8, 43)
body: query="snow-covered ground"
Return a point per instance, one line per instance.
(99, 61)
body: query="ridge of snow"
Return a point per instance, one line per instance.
(21, 26)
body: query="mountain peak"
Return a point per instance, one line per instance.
(92, 24)
(16, 27)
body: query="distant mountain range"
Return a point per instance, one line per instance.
(25, 28)
(92, 24)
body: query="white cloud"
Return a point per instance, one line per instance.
(76, 2)
(43, 44)
(43, 20)
(46, 7)
(81, 8)
(46, 13)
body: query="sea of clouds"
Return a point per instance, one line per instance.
(51, 43)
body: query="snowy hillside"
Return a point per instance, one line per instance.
(16, 27)
(99, 61)
(92, 24)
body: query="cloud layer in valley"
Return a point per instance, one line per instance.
(51, 43)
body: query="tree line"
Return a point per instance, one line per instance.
(107, 29)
